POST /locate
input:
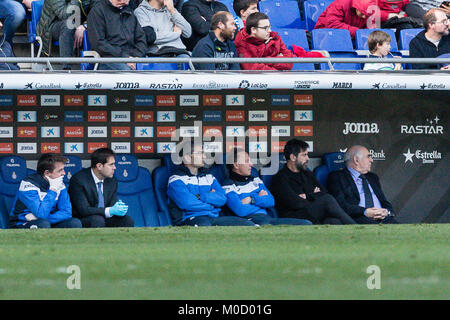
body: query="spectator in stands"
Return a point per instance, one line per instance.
(393, 16)
(57, 23)
(258, 41)
(244, 8)
(195, 196)
(115, 32)
(13, 13)
(168, 25)
(218, 43)
(247, 196)
(298, 194)
(418, 8)
(433, 41)
(379, 43)
(42, 200)
(358, 191)
(199, 14)
(346, 14)
(93, 192)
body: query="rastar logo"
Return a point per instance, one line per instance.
(143, 147)
(170, 86)
(73, 132)
(50, 147)
(165, 132)
(235, 115)
(431, 127)
(426, 157)
(303, 99)
(97, 116)
(92, 146)
(143, 116)
(353, 127)
(212, 100)
(165, 101)
(26, 100)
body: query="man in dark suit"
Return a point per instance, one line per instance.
(358, 191)
(93, 193)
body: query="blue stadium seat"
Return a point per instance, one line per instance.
(362, 35)
(298, 37)
(160, 180)
(332, 161)
(72, 166)
(406, 35)
(229, 4)
(86, 47)
(312, 10)
(13, 169)
(161, 66)
(135, 188)
(36, 10)
(282, 14)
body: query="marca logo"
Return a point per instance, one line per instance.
(165, 116)
(281, 115)
(50, 132)
(426, 157)
(431, 127)
(189, 100)
(211, 147)
(189, 131)
(97, 116)
(235, 115)
(143, 147)
(303, 99)
(73, 147)
(92, 146)
(342, 85)
(212, 131)
(27, 147)
(257, 146)
(303, 131)
(26, 100)
(257, 131)
(165, 101)
(47, 116)
(144, 101)
(120, 116)
(97, 132)
(26, 116)
(166, 132)
(74, 116)
(51, 100)
(6, 101)
(166, 147)
(73, 132)
(6, 116)
(97, 100)
(121, 147)
(278, 146)
(50, 147)
(6, 147)
(126, 85)
(26, 132)
(257, 115)
(212, 116)
(281, 131)
(352, 127)
(120, 132)
(235, 131)
(143, 132)
(235, 100)
(143, 116)
(73, 100)
(303, 115)
(212, 100)
(281, 100)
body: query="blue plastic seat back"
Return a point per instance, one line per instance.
(332, 161)
(86, 47)
(36, 10)
(332, 40)
(342, 66)
(160, 180)
(282, 14)
(161, 66)
(406, 35)
(312, 10)
(298, 37)
(135, 188)
(229, 4)
(72, 166)
(363, 34)
(267, 172)
(169, 164)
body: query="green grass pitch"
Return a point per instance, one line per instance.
(273, 262)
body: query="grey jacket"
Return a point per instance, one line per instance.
(162, 21)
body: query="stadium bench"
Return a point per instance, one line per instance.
(332, 161)
(72, 166)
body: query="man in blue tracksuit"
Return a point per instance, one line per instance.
(42, 200)
(196, 197)
(247, 196)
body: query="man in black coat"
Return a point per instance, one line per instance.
(93, 193)
(298, 194)
(358, 191)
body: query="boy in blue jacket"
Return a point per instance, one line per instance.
(196, 197)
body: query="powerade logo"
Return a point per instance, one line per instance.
(212, 116)
(6, 101)
(144, 101)
(74, 116)
(281, 100)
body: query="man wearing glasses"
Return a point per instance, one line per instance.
(434, 41)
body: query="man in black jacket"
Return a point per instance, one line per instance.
(218, 43)
(115, 32)
(199, 14)
(358, 191)
(433, 41)
(298, 194)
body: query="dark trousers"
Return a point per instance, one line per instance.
(97, 221)
(326, 210)
(65, 35)
(264, 219)
(367, 220)
(43, 224)
(207, 221)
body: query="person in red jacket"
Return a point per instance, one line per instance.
(347, 14)
(257, 40)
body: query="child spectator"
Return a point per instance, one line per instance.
(379, 43)
(243, 9)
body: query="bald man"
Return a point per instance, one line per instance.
(358, 191)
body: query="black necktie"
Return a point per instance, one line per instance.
(367, 194)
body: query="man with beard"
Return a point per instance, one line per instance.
(298, 194)
(218, 43)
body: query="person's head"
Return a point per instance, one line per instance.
(244, 8)
(379, 43)
(51, 165)
(119, 3)
(436, 21)
(358, 158)
(223, 25)
(191, 153)
(296, 154)
(241, 163)
(363, 7)
(103, 162)
(258, 26)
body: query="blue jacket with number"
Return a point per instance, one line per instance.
(190, 195)
(34, 196)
